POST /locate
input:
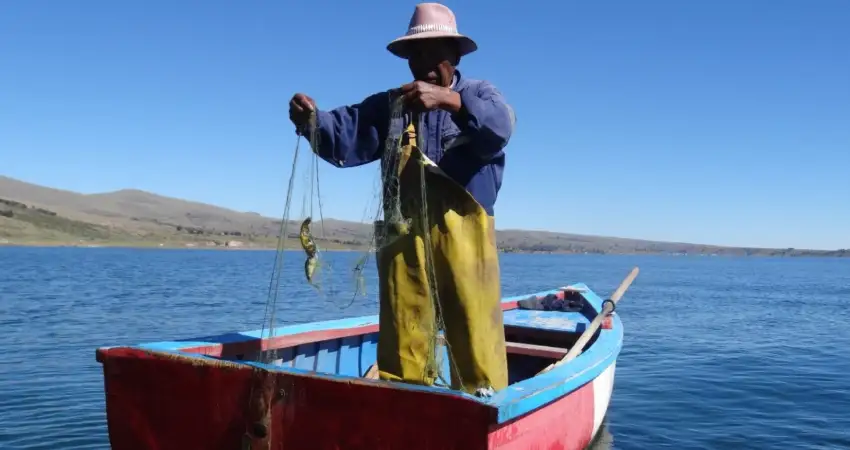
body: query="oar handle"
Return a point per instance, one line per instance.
(618, 294)
(607, 308)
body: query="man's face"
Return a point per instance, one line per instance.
(433, 60)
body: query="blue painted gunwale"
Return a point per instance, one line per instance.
(514, 401)
(532, 393)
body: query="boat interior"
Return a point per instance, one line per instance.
(534, 339)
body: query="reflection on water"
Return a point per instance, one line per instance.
(604, 440)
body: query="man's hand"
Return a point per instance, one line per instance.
(300, 108)
(420, 96)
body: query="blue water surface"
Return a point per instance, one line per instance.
(720, 353)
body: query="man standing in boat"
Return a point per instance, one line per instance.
(463, 126)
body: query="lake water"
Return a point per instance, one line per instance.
(720, 353)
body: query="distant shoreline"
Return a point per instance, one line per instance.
(294, 248)
(154, 246)
(40, 216)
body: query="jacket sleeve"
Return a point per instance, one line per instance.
(487, 117)
(351, 136)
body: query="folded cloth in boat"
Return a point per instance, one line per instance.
(552, 302)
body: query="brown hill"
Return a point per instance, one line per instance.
(30, 213)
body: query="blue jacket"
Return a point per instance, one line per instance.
(469, 146)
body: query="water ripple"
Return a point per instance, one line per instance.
(720, 353)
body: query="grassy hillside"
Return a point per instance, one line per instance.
(32, 214)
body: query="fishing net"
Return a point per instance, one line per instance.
(415, 343)
(396, 224)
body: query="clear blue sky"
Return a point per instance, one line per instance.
(724, 122)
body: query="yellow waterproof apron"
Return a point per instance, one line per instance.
(465, 275)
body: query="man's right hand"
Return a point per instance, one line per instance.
(300, 108)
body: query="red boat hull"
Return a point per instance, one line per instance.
(206, 394)
(165, 401)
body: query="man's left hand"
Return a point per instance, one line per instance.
(421, 96)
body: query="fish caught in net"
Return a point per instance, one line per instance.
(399, 217)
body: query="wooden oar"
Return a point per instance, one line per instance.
(372, 373)
(607, 308)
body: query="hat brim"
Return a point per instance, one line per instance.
(399, 47)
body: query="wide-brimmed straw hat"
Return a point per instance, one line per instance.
(431, 21)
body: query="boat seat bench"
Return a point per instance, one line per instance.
(542, 334)
(543, 351)
(565, 322)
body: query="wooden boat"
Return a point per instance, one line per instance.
(208, 393)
